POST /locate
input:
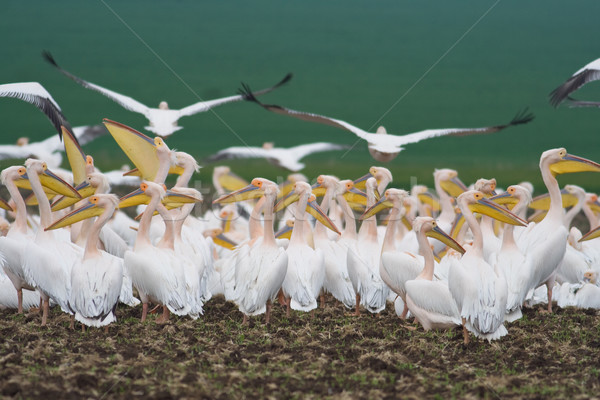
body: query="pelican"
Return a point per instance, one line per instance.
(479, 292)
(585, 294)
(49, 149)
(589, 73)
(288, 158)
(97, 277)
(261, 264)
(430, 301)
(382, 146)
(547, 240)
(162, 120)
(34, 93)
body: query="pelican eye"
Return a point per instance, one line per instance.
(44, 166)
(144, 186)
(478, 196)
(94, 199)
(22, 171)
(312, 198)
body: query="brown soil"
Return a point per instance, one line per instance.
(331, 355)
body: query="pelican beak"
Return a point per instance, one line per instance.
(247, 193)
(594, 206)
(75, 155)
(50, 180)
(491, 209)
(286, 231)
(571, 163)
(429, 199)
(381, 205)
(593, 234)
(406, 222)
(289, 199)
(313, 209)
(361, 183)
(231, 182)
(459, 221)
(318, 189)
(542, 202)
(140, 149)
(133, 172)
(537, 216)
(84, 189)
(355, 196)
(505, 199)
(285, 188)
(87, 211)
(4, 204)
(224, 241)
(454, 187)
(227, 223)
(175, 199)
(134, 198)
(439, 234)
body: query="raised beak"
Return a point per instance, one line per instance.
(247, 193)
(289, 199)
(138, 147)
(542, 202)
(454, 187)
(313, 209)
(491, 209)
(429, 199)
(571, 163)
(231, 182)
(381, 205)
(439, 234)
(361, 183)
(50, 180)
(84, 189)
(4, 204)
(87, 211)
(75, 155)
(593, 234)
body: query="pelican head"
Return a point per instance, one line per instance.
(476, 201)
(257, 188)
(163, 105)
(561, 162)
(513, 195)
(590, 277)
(95, 206)
(449, 181)
(324, 182)
(268, 145)
(48, 179)
(184, 160)
(431, 229)
(486, 186)
(391, 198)
(22, 141)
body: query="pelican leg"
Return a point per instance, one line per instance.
(82, 328)
(549, 287)
(322, 298)
(72, 323)
(45, 311)
(20, 301)
(357, 309)
(155, 309)
(164, 318)
(268, 313)
(245, 321)
(106, 329)
(144, 312)
(281, 298)
(465, 332)
(287, 303)
(312, 314)
(404, 311)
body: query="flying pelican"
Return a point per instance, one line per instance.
(479, 292)
(384, 147)
(261, 264)
(34, 93)
(96, 277)
(49, 149)
(430, 301)
(288, 158)
(163, 121)
(589, 73)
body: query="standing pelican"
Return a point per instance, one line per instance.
(97, 277)
(384, 147)
(163, 121)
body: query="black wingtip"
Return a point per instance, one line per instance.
(523, 117)
(286, 79)
(49, 58)
(247, 94)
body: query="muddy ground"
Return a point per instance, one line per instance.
(331, 355)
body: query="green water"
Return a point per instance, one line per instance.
(402, 64)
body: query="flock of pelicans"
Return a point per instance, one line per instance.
(457, 256)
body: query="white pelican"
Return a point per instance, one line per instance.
(162, 120)
(47, 261)
(306, 271)
(96, 277)
(363, 262)
(430, 301)
(288, 158)
(261, 265)
(479, 292)
(585, 294)
(547, 240)
(589, 73)
(384, 147)
(49, 149)
(34, 93)
(491, 242)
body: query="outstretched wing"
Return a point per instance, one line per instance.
(589, 73)
(238, 152)
(581, 103)
(88, 133)
(207, 105)
(522, 117)
(125, 101)
(305, 149)
(34, 93)
(321, 119)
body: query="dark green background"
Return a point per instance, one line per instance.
(352, 60)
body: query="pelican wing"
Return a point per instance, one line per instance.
(34, 93)
(589, 73)
(125, 101)
(88, 133)
(239, 152)
(582, 103)
(434, 297)
(306, 149)
(321, 119)
(207, 105)
(522, 117)
(11, 151)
